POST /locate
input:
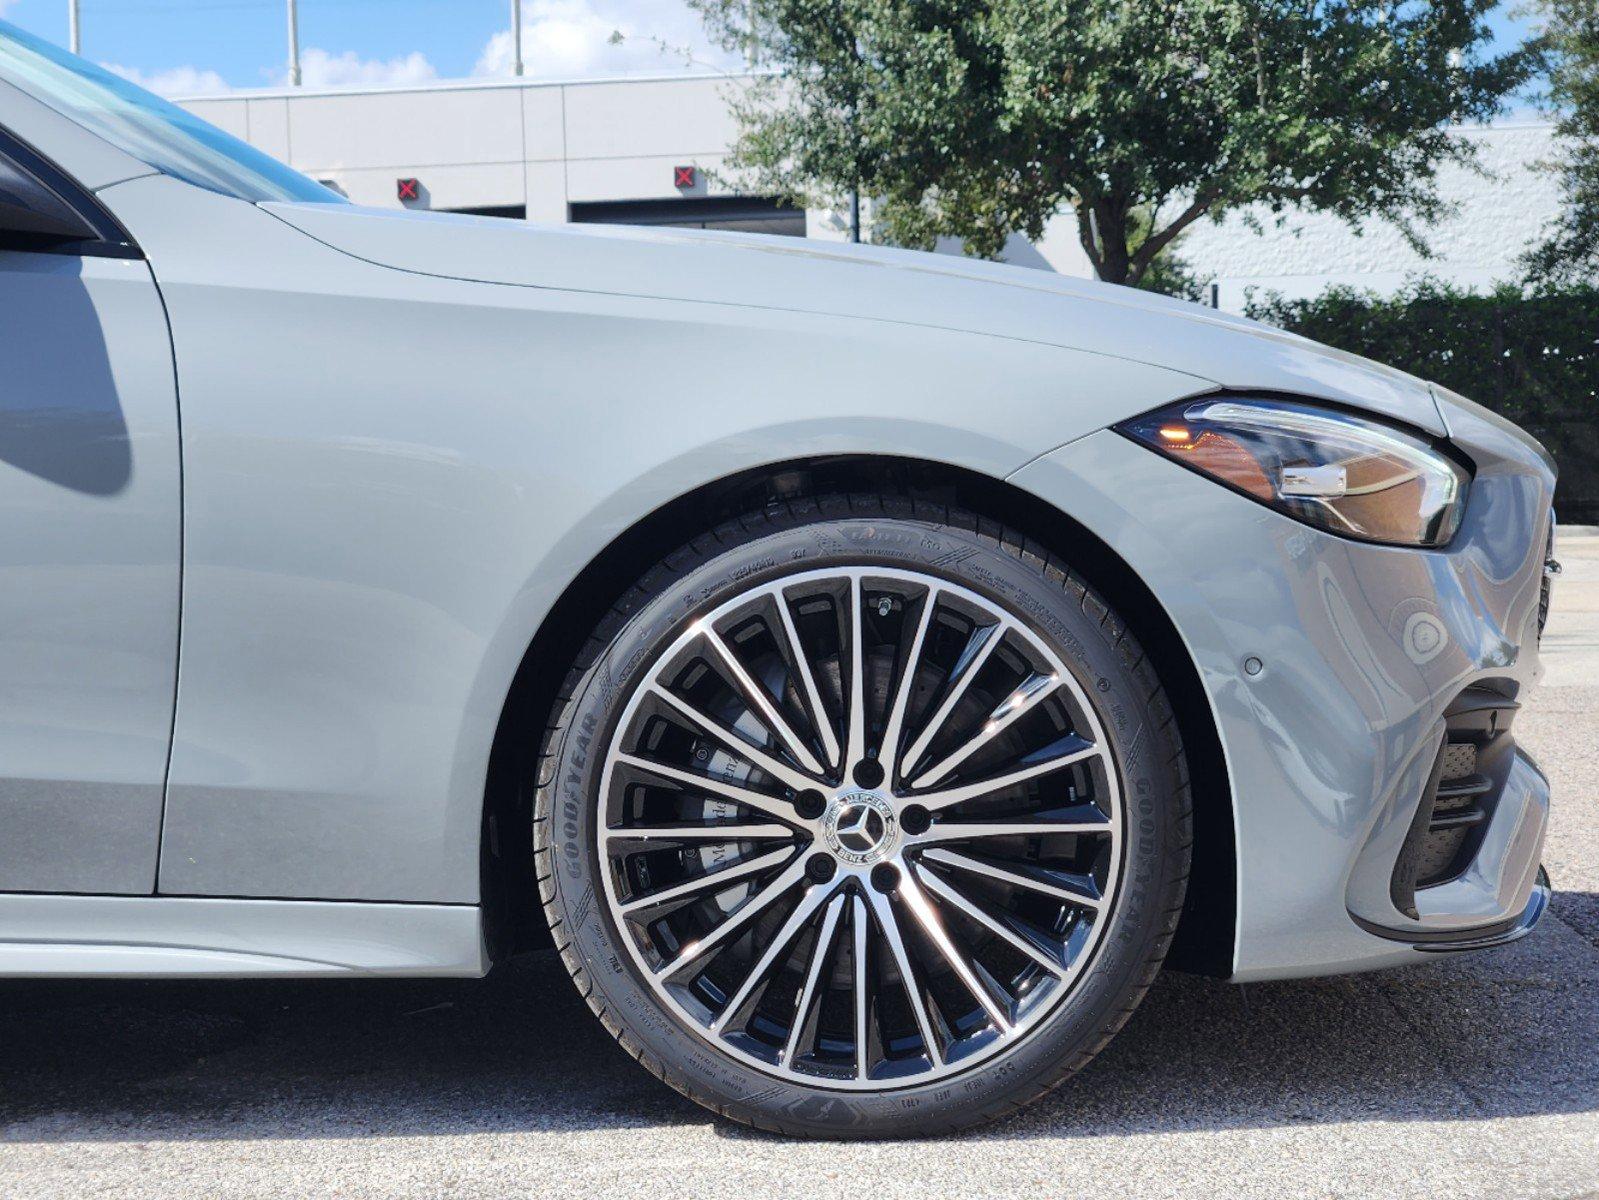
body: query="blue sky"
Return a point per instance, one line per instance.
(188, 46)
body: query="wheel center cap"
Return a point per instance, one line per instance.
(860, 828)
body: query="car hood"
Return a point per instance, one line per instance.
(868, 283)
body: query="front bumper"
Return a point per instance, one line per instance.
(1515, 929)
(1469, 861)
(1335, 749)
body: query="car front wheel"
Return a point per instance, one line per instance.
(863, 817)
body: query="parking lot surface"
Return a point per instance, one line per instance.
(1476, 1076)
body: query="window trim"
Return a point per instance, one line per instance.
(111, 240)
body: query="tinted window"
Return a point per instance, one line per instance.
(27, 207)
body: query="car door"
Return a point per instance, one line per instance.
(90, 541)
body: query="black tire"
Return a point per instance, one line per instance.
(979, 555)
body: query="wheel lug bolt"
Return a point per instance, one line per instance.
(868, 773)
(915, 819)
(821, 868)
(885, 877)
(810, 804)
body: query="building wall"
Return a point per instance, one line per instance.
(545, 146)
(1499, 211)
(481, 145)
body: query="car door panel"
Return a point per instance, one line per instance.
(90, 547)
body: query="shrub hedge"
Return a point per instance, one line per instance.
(1532, 357)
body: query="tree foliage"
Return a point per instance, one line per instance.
(979, 119)
(1570, 250)
(1531, 357)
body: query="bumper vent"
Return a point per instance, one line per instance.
(1460, 758)
(1459, 797)
(1551, 568)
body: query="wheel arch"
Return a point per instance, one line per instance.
(513, 919)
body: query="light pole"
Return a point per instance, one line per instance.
(294, 43)
(516, 36)
(74, 36)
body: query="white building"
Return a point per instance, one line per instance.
(1500, 210)
(575, 151)
(614, 150)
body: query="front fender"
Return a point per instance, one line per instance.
(390, 478)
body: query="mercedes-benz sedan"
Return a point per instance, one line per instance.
(869, 667)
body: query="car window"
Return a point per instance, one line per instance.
(168, 138)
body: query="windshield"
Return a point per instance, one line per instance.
(163, 135)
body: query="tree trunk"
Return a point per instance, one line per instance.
(1110, 230)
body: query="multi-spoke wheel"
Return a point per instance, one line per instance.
(839, 830)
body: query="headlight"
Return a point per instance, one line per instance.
(1347, 474)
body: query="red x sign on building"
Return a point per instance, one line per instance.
(408, 189)
(683, 177)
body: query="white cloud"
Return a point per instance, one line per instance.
(319, 68)
(174, 81)
(562, 39)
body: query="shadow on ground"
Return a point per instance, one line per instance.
(1510, 1033)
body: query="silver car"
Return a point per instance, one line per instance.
(870, 667)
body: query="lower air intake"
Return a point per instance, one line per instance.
(1459, 797)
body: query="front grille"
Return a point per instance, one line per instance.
(1460, 794)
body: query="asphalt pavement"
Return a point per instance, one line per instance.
(1467, 1077)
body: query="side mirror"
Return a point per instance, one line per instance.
(31, 214)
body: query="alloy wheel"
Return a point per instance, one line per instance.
(860, 828)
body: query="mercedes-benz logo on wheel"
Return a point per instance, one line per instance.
(860, 828)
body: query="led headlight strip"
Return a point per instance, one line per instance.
(1348, 474)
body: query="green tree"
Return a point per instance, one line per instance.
(978, 119)
(1570, 249)
(1169, 272)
